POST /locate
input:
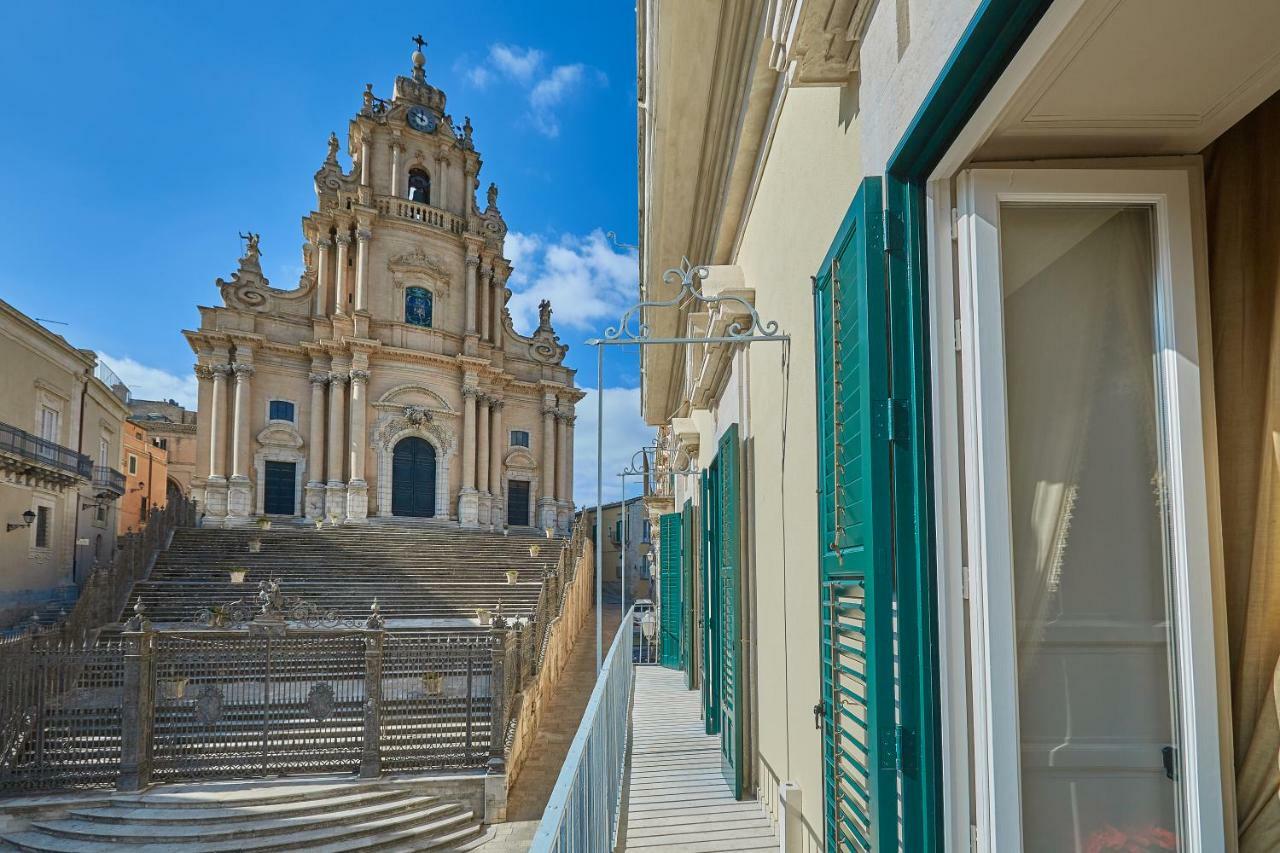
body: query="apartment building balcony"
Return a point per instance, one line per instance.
(107, 482)
(32, 460)
(668, 795)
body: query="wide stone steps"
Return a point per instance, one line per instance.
(259, 817)
(420, 576)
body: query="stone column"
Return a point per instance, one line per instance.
(473, 262)
(499, 302)
(364, 160)
(322, 267)
(571, 423)
(239, 490)
(395, 170)
(362, 268)
(467, 503)
(483, 448)
(357, 488)
(215, 493)
(442, 180)
(340, 275)
(547, 503)
(497, 441)
(315, 446)
(204, 403)
(486, 287)
(564, 490)
(335, 489)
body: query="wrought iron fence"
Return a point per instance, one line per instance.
(60, 715)
(273, 692)
(582, 813)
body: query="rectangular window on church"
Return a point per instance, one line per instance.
(281, 410)
(519, 438)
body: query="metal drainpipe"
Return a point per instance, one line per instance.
(75, 533)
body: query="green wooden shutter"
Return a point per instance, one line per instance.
(687, 662)
(732, 709)
(671, 587)
(857, 421)
(710, 599)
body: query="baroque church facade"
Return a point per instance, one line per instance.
(390, 381)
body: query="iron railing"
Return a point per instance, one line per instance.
(582, 813)
(32, 448)
(107, 479)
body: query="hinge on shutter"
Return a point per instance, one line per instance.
(892, 232)
(891, 420)
(896, 749)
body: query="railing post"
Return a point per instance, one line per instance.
(495, 786)
(137, 709)
(371, 757)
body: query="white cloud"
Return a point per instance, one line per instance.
(546, 92)
(589, 282)
(152, 383)
(625, 432)
(519, 63)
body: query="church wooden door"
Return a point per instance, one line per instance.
(517, 503)
(278, 490)
(413, 478)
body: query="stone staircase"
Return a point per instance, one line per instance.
(423, 576)
(316, 816)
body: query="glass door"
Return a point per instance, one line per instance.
(1091, 492)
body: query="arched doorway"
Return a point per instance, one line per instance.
(413, 478)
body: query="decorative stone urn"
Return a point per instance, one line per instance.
(512, 576)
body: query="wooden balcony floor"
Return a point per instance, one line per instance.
(676, 800)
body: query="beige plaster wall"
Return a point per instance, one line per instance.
(809, 180)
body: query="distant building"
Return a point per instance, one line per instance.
(146, 471)
(61, 425)
(173, 429)
(637, 540)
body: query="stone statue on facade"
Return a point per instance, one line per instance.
(544, 314)
(333, 148)
(493, 195)
(252, 251)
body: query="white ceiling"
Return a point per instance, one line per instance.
(1136, 77)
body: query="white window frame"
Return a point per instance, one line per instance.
(995, 747)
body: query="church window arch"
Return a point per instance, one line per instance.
(418, 306)
(419, 186)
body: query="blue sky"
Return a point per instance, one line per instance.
(139, 138)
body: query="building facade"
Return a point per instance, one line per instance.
(61, 427)
(172, 428)
(146, 471)
(636, 538)
(1023, 251)
(390, 381)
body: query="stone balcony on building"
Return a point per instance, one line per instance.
(36, 461)
(413, 211)
(108, 482)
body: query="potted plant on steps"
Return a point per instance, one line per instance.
(513, 575)
(237, 575)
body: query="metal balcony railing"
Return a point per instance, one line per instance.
(23, 444)
(582, 813)
(107, 479)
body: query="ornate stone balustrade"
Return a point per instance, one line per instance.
(402, 208)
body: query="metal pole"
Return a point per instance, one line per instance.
(624, 543)
(599, 508)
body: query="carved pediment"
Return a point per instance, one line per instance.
(520, 457)
(280, 435)
(414, 400)
(419, 262)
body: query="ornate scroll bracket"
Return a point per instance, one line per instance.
(632, 328)
(271, 612)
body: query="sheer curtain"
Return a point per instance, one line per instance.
(1243, 196)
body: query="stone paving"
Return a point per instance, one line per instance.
(676, 801)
